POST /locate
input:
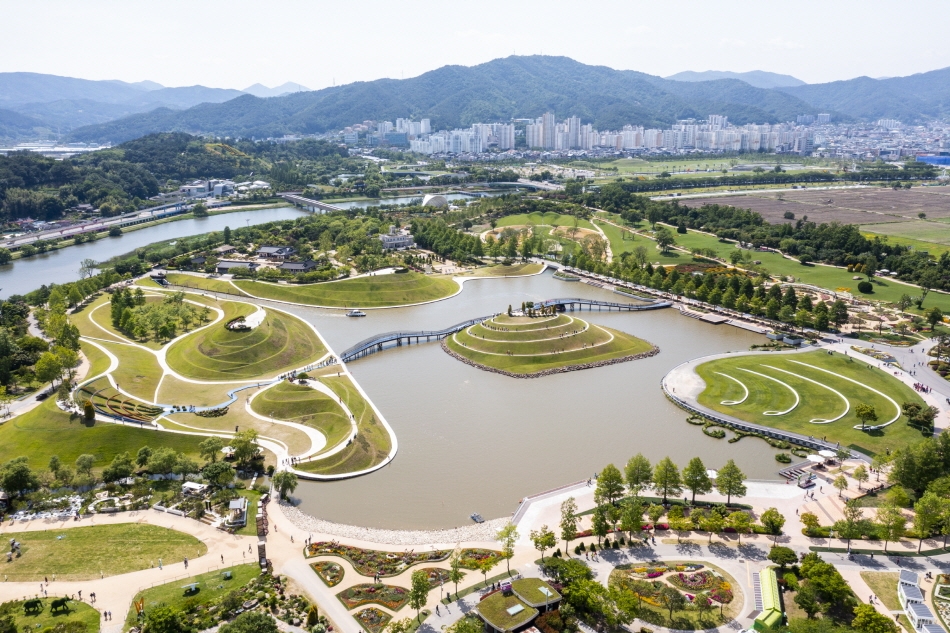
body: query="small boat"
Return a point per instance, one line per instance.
(355, 313)
(477, 518)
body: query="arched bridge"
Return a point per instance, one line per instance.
(579, 304)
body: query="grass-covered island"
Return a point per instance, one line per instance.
(533, 346)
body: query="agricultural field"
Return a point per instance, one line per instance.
(280, 343)
(84, 553)
(813, 394)
(527, 345)
(381, 291)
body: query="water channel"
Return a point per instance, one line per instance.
(474, 441)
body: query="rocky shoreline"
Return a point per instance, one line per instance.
(548, 372)
(477, 532)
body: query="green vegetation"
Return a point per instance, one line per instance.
(549, 218)
(41, 620)
(201, 283)
(502, 270)
(280, 343)
(494, 610)
(794, 407)
(83, 553)
(138, 372)
(884, 586)
(304, 405)
(527, 345)
(363, 292)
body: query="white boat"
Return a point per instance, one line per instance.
(355, 313)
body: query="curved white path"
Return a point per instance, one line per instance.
(786, 385)
(847, 403)
(730, 403)
(861, 384)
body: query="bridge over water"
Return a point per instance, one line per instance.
(380, 342)
(314, 206)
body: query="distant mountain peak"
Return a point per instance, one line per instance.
(757, 78)
(260, 90)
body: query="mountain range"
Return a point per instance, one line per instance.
(451, 96)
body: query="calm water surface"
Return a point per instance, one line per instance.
(474, 441)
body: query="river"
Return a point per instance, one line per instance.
(475, 441)
(62, 266)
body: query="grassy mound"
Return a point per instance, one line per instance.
(365, 292)
(280, 343)
(301, 404)
(201, 283)
(79, 614)
(501, 270)
(761, 392)
(528, 345)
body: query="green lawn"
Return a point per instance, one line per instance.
(543, 343)
(529, 589)
(282, 342)
(45, 619)
(83, 553)
(936, 250)
(815, 401)
(98, 361)
(201, 283)
(252, 496)
(138, 372)
(364, 292)
(301, 404)
(494, 609)
(46, 431)
(211, 586)
(549, 219)
(922, 230)
(372, 443)
(500, 270)
(884, 586)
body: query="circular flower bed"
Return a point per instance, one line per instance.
(390, 596)
(699, 581)
(329, 572)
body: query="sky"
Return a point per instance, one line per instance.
(317, 43)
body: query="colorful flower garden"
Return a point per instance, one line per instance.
(437, 576)
(471, 558)
(368, 562)
(392, 597)
(329, 572)
(373, 620)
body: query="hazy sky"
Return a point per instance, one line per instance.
(235, 43)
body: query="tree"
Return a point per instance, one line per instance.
(418, 591)
(928, 280)
(54, 464)
(840, 484)
(48, 367)
(16, 477)
(783, 556)
(641, 589)
(892, 522)
(713, 523)
(807, 600)
(704, 605)
(639, 474)
(250, 622)
(469, 623)
(868, 620)
(568, 521)
(664, 239)
(865, 413)
(666, 478)
(285, 482)
(142, 457)
(87, 268)
(631, 517)
(934, 316)
(199, 210)
(904, 302)
(244, 445)
(696, 479)
(485, 565)
(609, 485)
(162, 461)
(810, 521)
(729, 481)
(860, 474)
(543, 539)
(927, 514)
(120, 468)
(210, 448)
(850, 525)
(772, 520)
(164, 619)
(838, 313)
(672, 599)
(227, 235)
(455, 568)
(508, 536)
(654, 512)
(84, 464)
(740, 522)
(219, 473)
(599, 523)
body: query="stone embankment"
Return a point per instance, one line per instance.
(555, 370)
(477, 532)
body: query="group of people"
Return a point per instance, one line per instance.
(922, 388)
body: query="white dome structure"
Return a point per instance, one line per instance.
(435, 200)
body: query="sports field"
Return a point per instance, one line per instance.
(280, 343)
(526, 345)
(381, 291)
(304, 405)
(811, 394)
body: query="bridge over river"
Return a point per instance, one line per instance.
(380, 342)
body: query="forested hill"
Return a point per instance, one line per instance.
(454, 96)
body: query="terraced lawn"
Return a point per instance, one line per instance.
(307, 406)
(525, 345)
(138, 372)
(83, 553)
(281, 343)
(364, 292)
(372, 443)
(809, 394)
(296, 441)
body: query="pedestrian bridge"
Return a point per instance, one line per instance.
(571, 304)
(314, 206)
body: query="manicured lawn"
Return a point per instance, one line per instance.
(500, 270)
(936, 250)
(46, 431)
(175, 391)
(547, 219)
(98, 361)
(281, 343)
(301, 404)
(526, 345)
(252, 497)
(202, 283)
(82, 553)
(622, 241)
(494, 609)
(372, 443)
(87, 326)
(816, 401)
(884, 586)
(211, 586)
(138, 372)
(42, 620)
(930, 232)
(237, 416)
(363, 292)
(529, 589)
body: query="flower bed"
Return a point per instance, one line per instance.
(437, 576)
(373, 620)
(368, 562)
(329, 572)
(392, 597)
(472, 556)
(699, 581)
(722, 593)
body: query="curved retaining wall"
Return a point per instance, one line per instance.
(548, 372)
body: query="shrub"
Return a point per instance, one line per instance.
(115, 231)
(577, 550)
(88, 411)
(783, 458)
(865, 287)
